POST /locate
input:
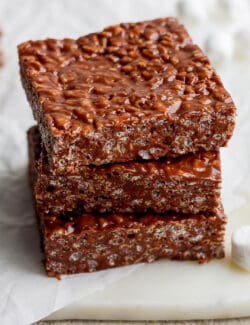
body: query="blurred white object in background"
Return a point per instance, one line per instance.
(219, 47)
(220, 27)
(242, 44)
(235, 11)
(241, 247)
(193, 11)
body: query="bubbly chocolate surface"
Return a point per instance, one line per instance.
(74, 224)
(187, 184)
(133, 90)
(90, 242)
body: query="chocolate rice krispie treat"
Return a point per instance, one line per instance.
(88, 242)
(188, 184)
(136, 90)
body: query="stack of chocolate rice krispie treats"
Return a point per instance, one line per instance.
(124, 162)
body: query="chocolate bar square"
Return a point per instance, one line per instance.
(136, 90)
(187, 184)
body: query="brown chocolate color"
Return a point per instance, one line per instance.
(189, 184)
(138, 90)
(74, 243)
(89, 242)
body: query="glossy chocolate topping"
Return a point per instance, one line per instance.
(121, 75)
(72, 224)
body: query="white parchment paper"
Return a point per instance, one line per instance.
(220, 27)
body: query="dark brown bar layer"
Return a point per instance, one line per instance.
(94, 242)
(139, 90)
(188, 184)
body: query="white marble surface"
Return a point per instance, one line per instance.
(220, 27)
(236, 321)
